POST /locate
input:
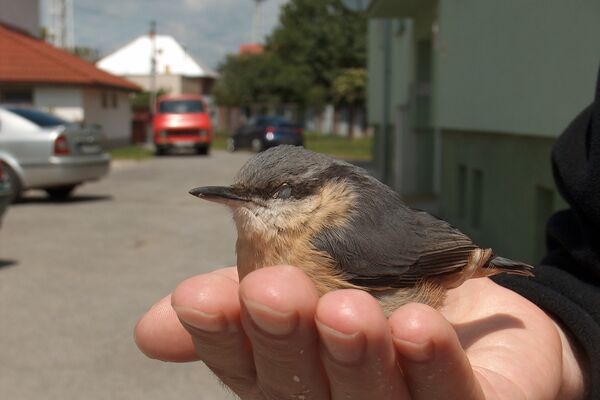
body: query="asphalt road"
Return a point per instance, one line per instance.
(75, 277)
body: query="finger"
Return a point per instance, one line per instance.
(278, 306)
(357, 349)
(160, 335)
(434, 364)
(209, 309)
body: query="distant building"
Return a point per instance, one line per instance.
(35, 73)
(467, 98)
(22, 14)
(176, 70)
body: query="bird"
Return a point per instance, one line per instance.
(347, 230)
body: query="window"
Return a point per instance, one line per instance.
(115, 100)
(37, 117)
(462, 191)
(17, 96)
(476, 198)
(180, 106)
(104, 99)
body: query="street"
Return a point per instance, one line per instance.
(76, 276)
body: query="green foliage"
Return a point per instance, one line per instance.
(260, 78)
(131, 153)
(350, 86)
(316, 42)
(339, 147)
(142, 100)
(87, 53)
(321, 34)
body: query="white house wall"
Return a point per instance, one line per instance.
(169, 83)
(115, 119)
(63, 101)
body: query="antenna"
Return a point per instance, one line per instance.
(257, 29)
(62, 23)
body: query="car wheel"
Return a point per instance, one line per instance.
(60, 192)
(160, 151)
(16, 187)
(231, 145)
(203, 150)
(257, 145)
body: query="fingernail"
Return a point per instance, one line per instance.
(270, 321)
(343, 347)
(204, 321)
(415, 352)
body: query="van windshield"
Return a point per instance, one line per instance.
(180, 106)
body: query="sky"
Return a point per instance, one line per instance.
(208, 29)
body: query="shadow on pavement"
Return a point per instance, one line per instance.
(8, 263)
(81, 198)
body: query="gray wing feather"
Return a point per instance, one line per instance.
(386, 244)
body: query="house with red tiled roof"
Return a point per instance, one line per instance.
(33, 72)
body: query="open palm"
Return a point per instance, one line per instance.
(272, 337)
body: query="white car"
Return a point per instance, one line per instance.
(42, 151)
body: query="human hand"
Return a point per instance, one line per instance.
(272, 337)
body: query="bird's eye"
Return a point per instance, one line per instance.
(283, 192)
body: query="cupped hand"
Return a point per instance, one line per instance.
(272, 337)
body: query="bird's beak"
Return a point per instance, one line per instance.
(218, 194)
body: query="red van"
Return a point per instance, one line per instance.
(181, 121)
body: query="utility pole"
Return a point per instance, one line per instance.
(152, 35)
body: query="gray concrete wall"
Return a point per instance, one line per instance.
(24, 14)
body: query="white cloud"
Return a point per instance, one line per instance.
(208, 28)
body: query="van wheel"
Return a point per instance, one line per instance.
(203, 150)
(16, 187)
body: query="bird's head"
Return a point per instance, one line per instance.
(287, 189)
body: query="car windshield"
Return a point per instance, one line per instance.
(275, 121)
(180, 106)
(38, 117)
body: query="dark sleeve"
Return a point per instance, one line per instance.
(566, 285)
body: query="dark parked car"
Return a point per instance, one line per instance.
(264, 132)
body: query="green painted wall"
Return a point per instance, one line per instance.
(524, 67)
(498, 189)
(508, 76)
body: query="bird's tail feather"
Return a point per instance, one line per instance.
(510, 267)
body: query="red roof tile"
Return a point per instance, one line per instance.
(251, 49)
(29, 60)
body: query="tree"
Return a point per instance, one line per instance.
(316, 42)
(349, 89)
(321, 34)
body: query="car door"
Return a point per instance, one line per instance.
(26, 141)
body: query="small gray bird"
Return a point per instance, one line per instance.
(346, 229)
